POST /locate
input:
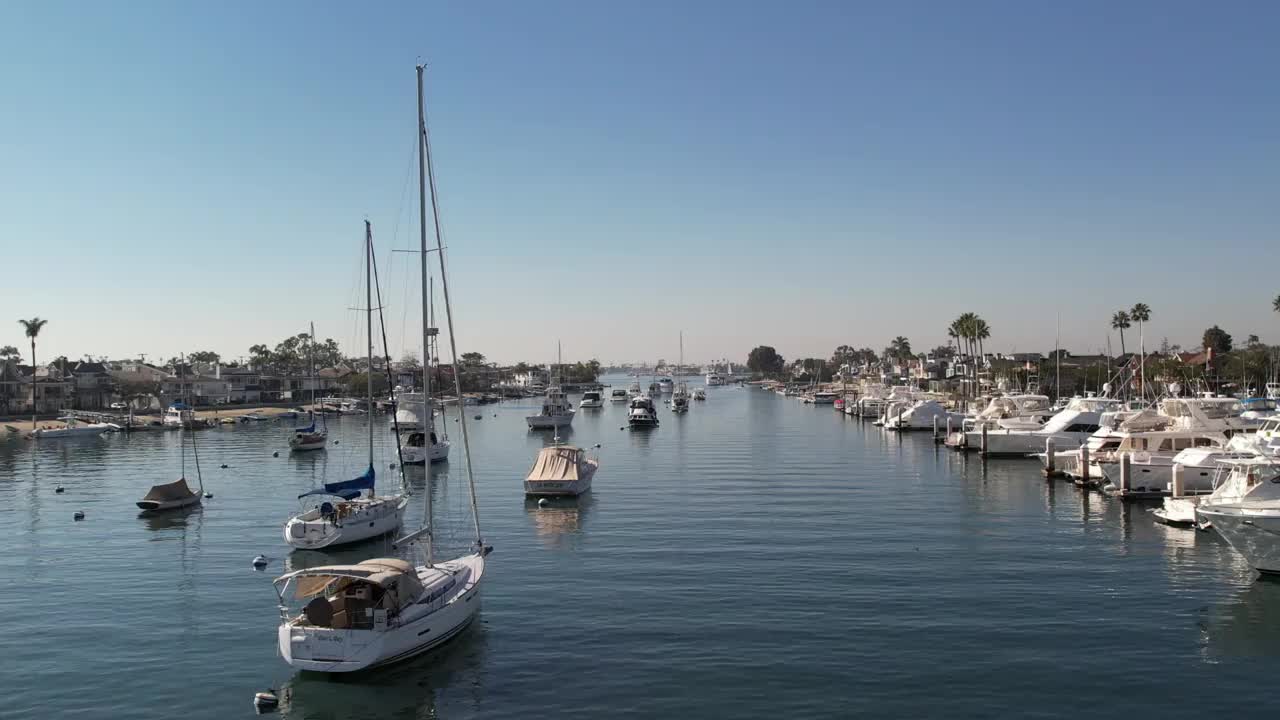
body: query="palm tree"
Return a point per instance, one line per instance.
(1120, 321)
(1275, 304)
(981, 331)
(1141, 313)
(32, 328)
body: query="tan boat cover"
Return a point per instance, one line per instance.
(397, 579)
(176, 490)
(556, 464)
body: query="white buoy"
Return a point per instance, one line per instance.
(208, 496)
(265, 701)
(542, 502)
(79, 515)
(260, 562)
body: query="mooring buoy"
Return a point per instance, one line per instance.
(260, 561)
(59, 489)
(79, 515)
(265, 701)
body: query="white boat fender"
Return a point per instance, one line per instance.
(260, 562)
(265, 701)
(542, 502)
(59, 489)
(78, 516)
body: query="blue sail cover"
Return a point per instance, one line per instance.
(364, 482)
(306, 430)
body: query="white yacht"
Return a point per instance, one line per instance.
(591, 399)
(1251, 524)
(699, 394)
(1228, 477)
(680, 398)
(1259, 408)
(556, 411)
(619, 395)
(411, 409)
(1069, 429)
(823, 397)
(642, 413)
(666, 385)
(713, 379)
(423, 447)
(560, 470)
(71, 428)
(920, 416)
(655, 390)
(1009, 412)
(634, 389)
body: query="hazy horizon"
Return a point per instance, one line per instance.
(807, 175)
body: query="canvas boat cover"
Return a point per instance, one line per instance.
(176, 490)
(396, 578)
(556, 464)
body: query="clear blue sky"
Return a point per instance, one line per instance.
(181, 176)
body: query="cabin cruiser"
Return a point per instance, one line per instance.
(655, 390)
(1251, 524)
(1008, 412)
(618, 395)
(411, 410)
(591, 399)
(823, 397)
(344, 515)
(1210, 475)
(921, 416)
(423, 447)
(560, 470)
(666, 385)
(641, 413)
(1068, 429)
(699, 394)
(680, 398)
(556, 411)
(634, 389)
(1259, 408)
(72, 428)
(1153, 437)
(713, 379)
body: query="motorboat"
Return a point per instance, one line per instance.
(560, 470)
(1069, 428)
(556, 411)
(71, 428)
(634, 389)
(655, 390)
(424, 446)
(666, 385)
(353, 617)
(1259, 408)
(1251, 524)
(642, 413)
(699, 394)
(618, 395)
(1008, 412)
(1228, 477)
(823, 397)
(921, 416)
(680, 398)
(713, 379)
(591, 399)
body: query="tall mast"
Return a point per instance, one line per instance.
(311, 365)
(1057, 354)
(368, 295)
(448, 313)
(428, 410)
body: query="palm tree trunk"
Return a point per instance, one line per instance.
(34, 404)
(1122, 350)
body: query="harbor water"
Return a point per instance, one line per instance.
(755, 557)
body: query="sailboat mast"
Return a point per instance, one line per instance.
(311, 364)
(448, 313)
(368, 294)
(428, 411)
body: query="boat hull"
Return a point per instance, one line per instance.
(420, 455)
(540, 488)
(361, 525)
(1253, 534)
(547, 422)
(337, 651)
(161, 506)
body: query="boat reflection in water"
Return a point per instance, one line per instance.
(449, 678)
(1245, 625)
(173, 519)
(559, 520)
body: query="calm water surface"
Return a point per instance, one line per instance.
(754, 558)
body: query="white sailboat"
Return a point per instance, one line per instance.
(387, 609)
(310, 437)
(680, 397)
(345, 514)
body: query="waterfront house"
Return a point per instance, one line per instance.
(93, 386)
(195, 390)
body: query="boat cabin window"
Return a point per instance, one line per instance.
(1082, 428)
(1202, 442)
(351, 607)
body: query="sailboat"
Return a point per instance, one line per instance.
(345, 514)
(680, 398)
(177, 494)
(425, 446)
(385, 610)
(310, 438)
